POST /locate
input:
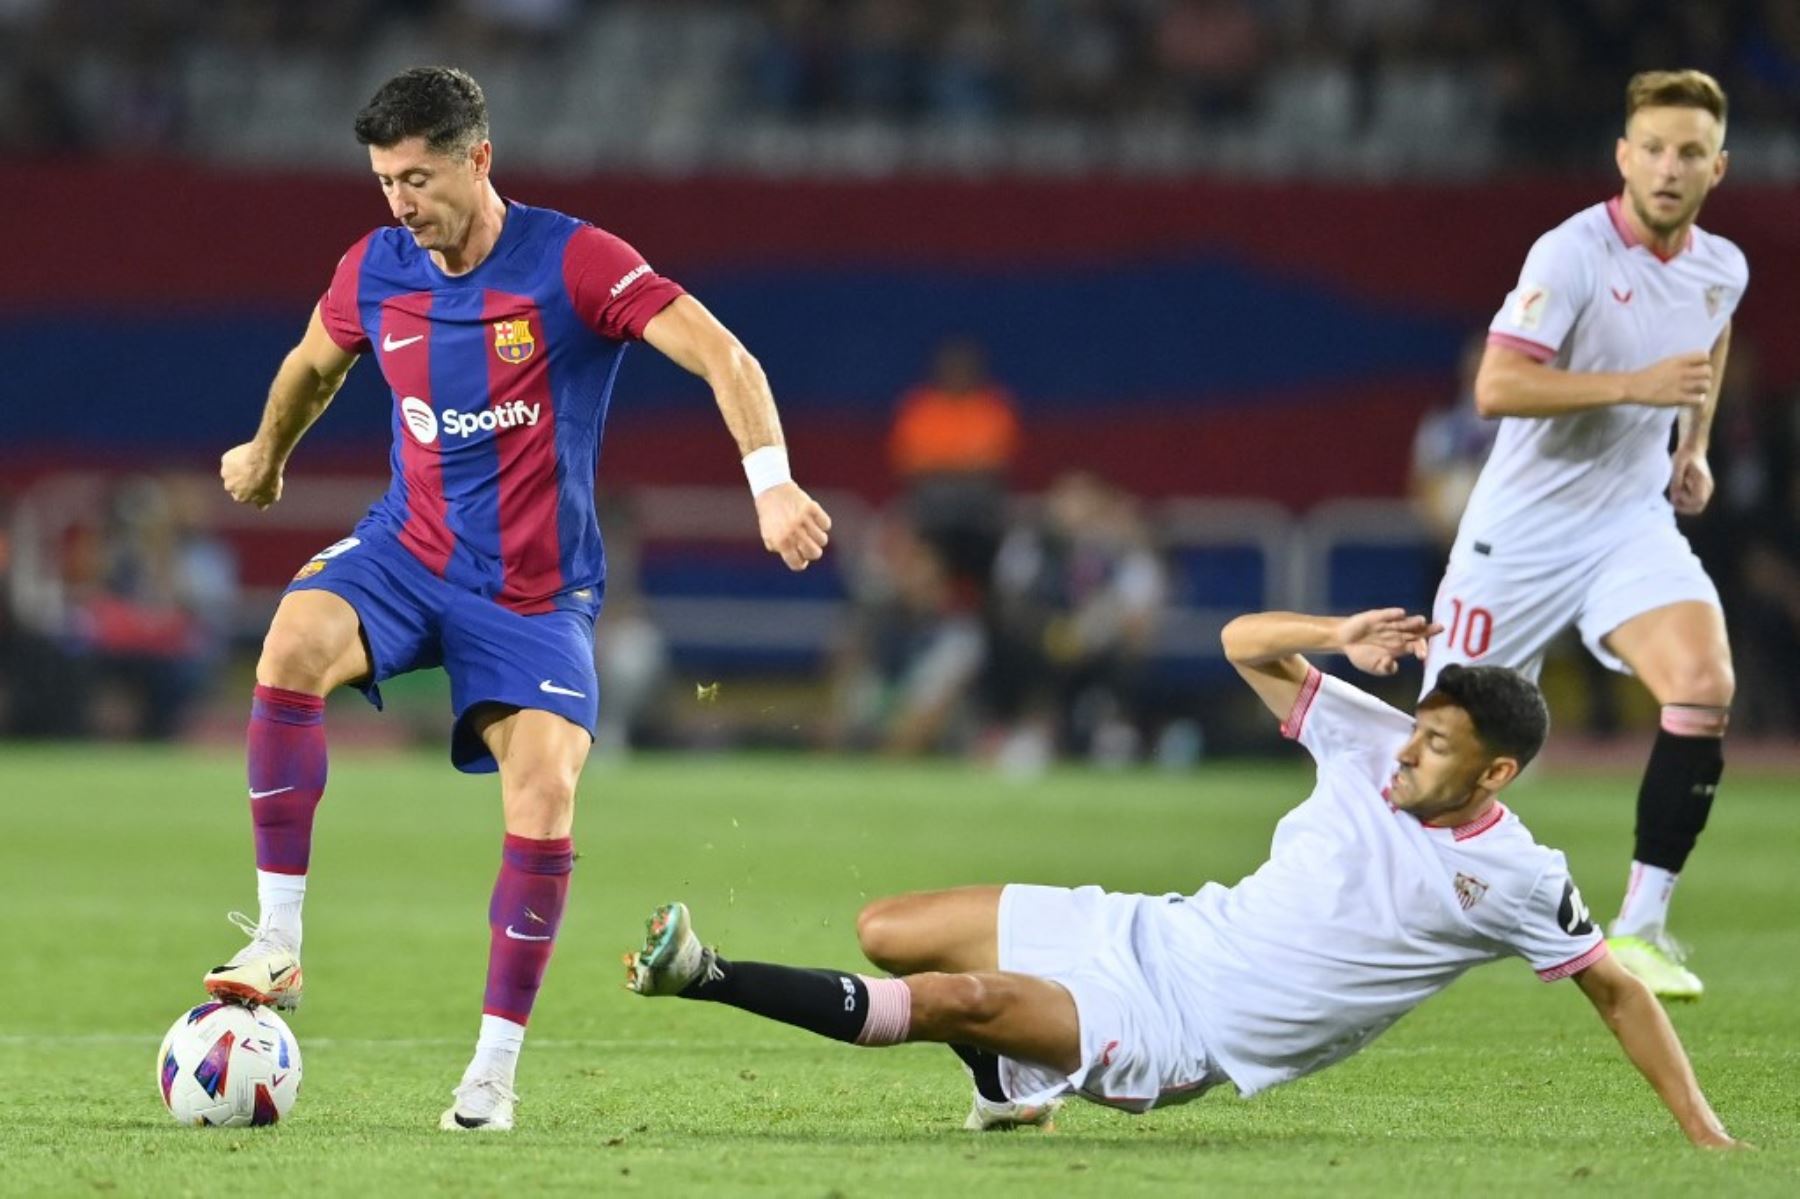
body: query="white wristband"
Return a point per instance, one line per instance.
(766, 468)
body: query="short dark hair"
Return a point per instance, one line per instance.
(1506, 708)
(440, 104)
(1675, 89)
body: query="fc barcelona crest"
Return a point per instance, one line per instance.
(512, 340)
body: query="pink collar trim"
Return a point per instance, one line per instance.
(1462, 832)
(1616, 212)
(1481, 823)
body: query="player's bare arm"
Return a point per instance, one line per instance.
(792, 523)
(1690, 476)
(1511, 383)
(1649, 1040)
(1267, 647)
(309, 376)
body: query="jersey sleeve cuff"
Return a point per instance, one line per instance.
(656, 295)
(351, 341)
(1535, 350)
(347, 342)
(1296, 717)
(1575, 965)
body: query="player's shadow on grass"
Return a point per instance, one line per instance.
(1084, 1134)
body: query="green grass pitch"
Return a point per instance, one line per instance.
(117, 866)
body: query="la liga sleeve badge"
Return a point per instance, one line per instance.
(1528, 309)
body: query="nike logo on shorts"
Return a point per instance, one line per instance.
(389, 344)
(266, 794)
(519, 936)
(549, 688)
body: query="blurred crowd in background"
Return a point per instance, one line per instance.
(127, 625)
(1280, 87)
(956, 612)
(970, 618)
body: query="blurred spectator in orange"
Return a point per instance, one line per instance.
(953, 441)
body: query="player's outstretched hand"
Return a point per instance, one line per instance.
(1376, 640)
(249, 476)
(793, 525)
(1678, 381)
(1690, 482)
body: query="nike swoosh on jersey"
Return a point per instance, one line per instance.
(518, 936)
(549, 688)
(266, 794)
(390, 345)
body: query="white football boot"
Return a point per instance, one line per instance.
(482, 1105)
(266, 971)
(988, 1116)
(672, 956)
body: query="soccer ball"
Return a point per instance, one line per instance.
(228, 1066)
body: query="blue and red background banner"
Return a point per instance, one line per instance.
(1191, 337)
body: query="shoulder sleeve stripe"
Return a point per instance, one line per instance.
(1575, 965)
(1296, 717)
(1524, 345)
(340, 308)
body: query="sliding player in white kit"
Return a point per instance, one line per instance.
(1401, 871)
(1617, 331)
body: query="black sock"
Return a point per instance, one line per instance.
(829, 1002)
(1676, 797)
(984, 1067)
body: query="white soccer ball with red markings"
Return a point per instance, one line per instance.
(227, 1066)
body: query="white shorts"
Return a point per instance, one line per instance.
(1135, 1053)
(1499, 615)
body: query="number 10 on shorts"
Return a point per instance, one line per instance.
(1476, 631)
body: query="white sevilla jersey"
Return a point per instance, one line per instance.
(1361, 912)
(1591, 297)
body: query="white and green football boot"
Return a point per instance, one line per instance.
(672, 956)
(1659, 961)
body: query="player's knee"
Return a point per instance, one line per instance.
(540, 802)
(296, 658)
(1709, 684)
(878, 932)
(890, 936)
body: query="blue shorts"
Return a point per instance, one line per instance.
(412, 619)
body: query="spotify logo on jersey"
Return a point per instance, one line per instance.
(420, 419)
(427, 425)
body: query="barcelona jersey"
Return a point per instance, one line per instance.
(501, 379)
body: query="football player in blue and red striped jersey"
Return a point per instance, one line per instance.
(500, 329)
